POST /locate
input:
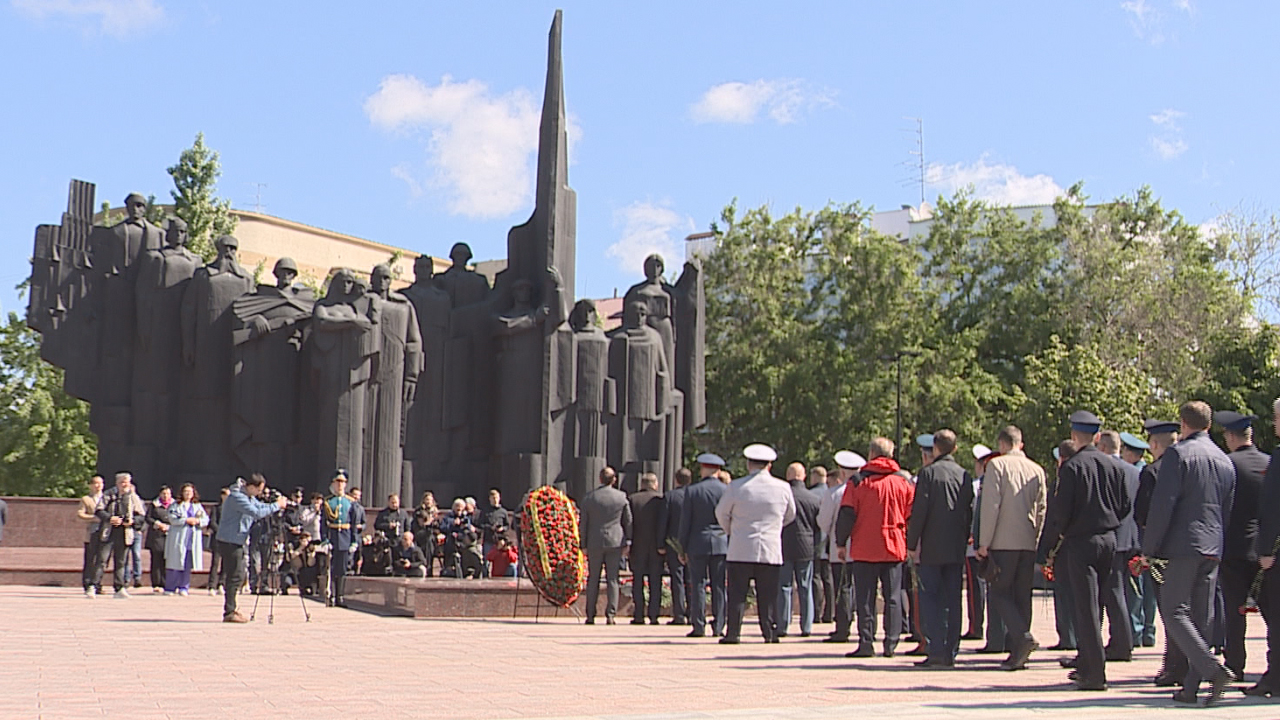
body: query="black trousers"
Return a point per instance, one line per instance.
(1187, 602)
(115, 550)
(842, 578)
(648, 572)
(1116, 604)
(1235, 577)
(706, 570)
(87, 576)
(975, 592)
(888, 575)
(217, 572)
(767, 578)
(157, 566)
(1088, 562)
(233, 561)
(1010, 597)
(1269, 604)
(679, 591)
(824, 591)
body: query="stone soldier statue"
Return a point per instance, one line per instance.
(426, 444)
(519, 330)
(638, 366)
(117, 254)
(269, 332)
(678, 313)
(163, 277)
(391, 387)
(207, 353)
(469, 366)
(594, 400)
(344, 343)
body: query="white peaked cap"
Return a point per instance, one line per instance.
(849, 459)
(759, 452)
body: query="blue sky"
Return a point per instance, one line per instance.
(414, 123)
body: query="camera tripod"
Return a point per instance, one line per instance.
(271, 577)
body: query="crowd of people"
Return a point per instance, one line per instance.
(1191, 536)
(305, 542)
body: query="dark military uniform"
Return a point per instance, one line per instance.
(1265, 545)
(1239, 557)
(1084, 512)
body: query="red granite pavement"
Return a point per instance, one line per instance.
(169, 657)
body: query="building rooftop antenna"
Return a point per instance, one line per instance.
(916, 164)
(258, 207)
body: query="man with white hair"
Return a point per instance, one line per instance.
(121, 515)
(752, 512)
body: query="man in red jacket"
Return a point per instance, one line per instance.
(873, 517)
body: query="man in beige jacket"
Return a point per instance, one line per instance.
(86, 514)
(1014, 499)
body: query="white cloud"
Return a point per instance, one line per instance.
(1168, 142)
(736, 102)
(996, 183)
(649, 228)
(111, 17)
(1150, 23)
(480, 145)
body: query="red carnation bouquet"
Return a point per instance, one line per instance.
(549, 540)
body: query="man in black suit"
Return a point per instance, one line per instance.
(1084, 512)
(705, 545)
(1114, 601)
(672, 508)
(1190, 507)
(798, 540)
(1239, 558)
(1265, 546)
(646, 539)
(937, 536)
(604, 530)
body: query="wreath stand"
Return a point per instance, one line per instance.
(538, 598)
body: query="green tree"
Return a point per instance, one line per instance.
(195, 179)
(45, 444)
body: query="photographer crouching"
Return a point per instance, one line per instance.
(240, 510)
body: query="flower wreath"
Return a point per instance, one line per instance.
(549, 543)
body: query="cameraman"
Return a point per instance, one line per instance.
(493, 522)
(410, 561)
(239, 511)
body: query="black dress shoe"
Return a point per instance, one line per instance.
(637, 621)
(1166, 680)
(677, 622)
(1069, 662)
(836, 639)
(1220, 683)
(726, 640)
(653, 621)
(1118, 657)
(889, 651)
(610, 621)
(1183, 696)
(863, 651)
(1060, 647)
(591, 621)
(805, 634)
(774, 640)
(1074, 675)
(988, 650)
(934, 663)
(1258, 690)
(696, 633)
(1010, 666)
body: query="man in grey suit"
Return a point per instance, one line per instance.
(1189, 510)
(646, 539)
(704, 544)
(604, 530)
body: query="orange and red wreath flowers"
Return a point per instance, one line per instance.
(549, 539)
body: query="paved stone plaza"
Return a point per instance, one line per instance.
(170, 657)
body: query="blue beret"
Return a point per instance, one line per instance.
(1133, 441)
(710, 459)
(1233, 420)
(1085, 422)
(925, 441)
